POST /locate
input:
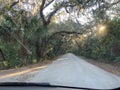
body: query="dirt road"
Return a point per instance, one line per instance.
(68, 70)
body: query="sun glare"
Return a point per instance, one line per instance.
(102, 30)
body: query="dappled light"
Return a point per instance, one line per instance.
(22, 72)
(85, 35)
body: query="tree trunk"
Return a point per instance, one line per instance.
(38, 48)
(41, 48)
(24, 52)
(2, 54)
(41, 44)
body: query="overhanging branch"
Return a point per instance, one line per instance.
(15, 38)
(63, 32)
(48, 4)
(14, 3)
(3, 10)
(52, 13)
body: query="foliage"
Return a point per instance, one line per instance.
(24, 31)
(104, 48)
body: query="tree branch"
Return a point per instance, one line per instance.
(48, 4)
(63, 4)
(112, 4)
(43, 6)
(2, 54)
(14, 3)
(51, 14)
(63, 32)
(6, 32)
(3, 10)
(41, 12)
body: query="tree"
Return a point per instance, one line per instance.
(34, 19)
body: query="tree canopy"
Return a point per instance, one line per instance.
(36, 30)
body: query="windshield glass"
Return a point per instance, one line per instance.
(61, 42)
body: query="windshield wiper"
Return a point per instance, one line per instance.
(23, 84)
(47, 85)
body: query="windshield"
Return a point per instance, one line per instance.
(72, 43)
